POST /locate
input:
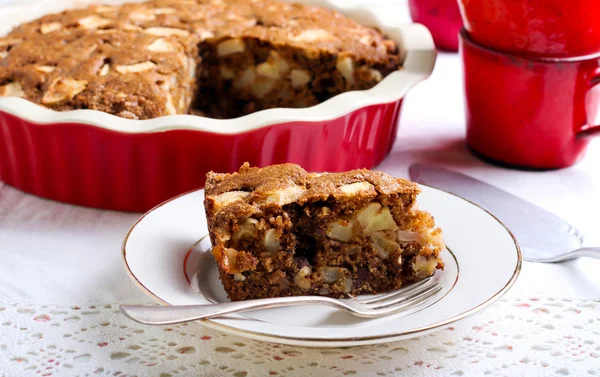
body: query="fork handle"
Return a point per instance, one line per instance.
(590, 252)
(167, 315)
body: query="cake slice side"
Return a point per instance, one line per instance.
(280, 231)
(261, 70)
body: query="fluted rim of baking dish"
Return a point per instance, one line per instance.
(420, 56)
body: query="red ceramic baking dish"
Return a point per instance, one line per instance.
(94, 159)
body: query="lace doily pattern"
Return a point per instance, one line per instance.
(515, 337)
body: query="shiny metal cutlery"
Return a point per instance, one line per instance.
(543, 236)
(406, 300)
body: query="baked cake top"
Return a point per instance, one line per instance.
(102, 68)
(288, 183)
(307, 27)
(127, 59)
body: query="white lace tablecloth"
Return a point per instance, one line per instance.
(61, 281)
(527, 337)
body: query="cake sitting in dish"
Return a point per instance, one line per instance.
(219, 58)
(280, 231)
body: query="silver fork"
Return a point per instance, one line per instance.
(407, 300)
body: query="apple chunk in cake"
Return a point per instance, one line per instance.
(280, 231)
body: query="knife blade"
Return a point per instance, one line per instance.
(541, 234)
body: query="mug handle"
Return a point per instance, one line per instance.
(592, 108)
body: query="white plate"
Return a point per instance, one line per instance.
(162, 250)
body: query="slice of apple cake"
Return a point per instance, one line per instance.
(280, 231)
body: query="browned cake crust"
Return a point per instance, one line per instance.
(280, 231)
(226, 57)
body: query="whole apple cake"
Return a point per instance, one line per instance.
(280, 231)
(218, 58)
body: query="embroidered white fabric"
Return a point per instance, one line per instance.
(515, 337)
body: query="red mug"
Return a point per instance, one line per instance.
(557, 28)
(441, 17)
(535, 113)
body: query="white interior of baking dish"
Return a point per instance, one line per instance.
(415, 39)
